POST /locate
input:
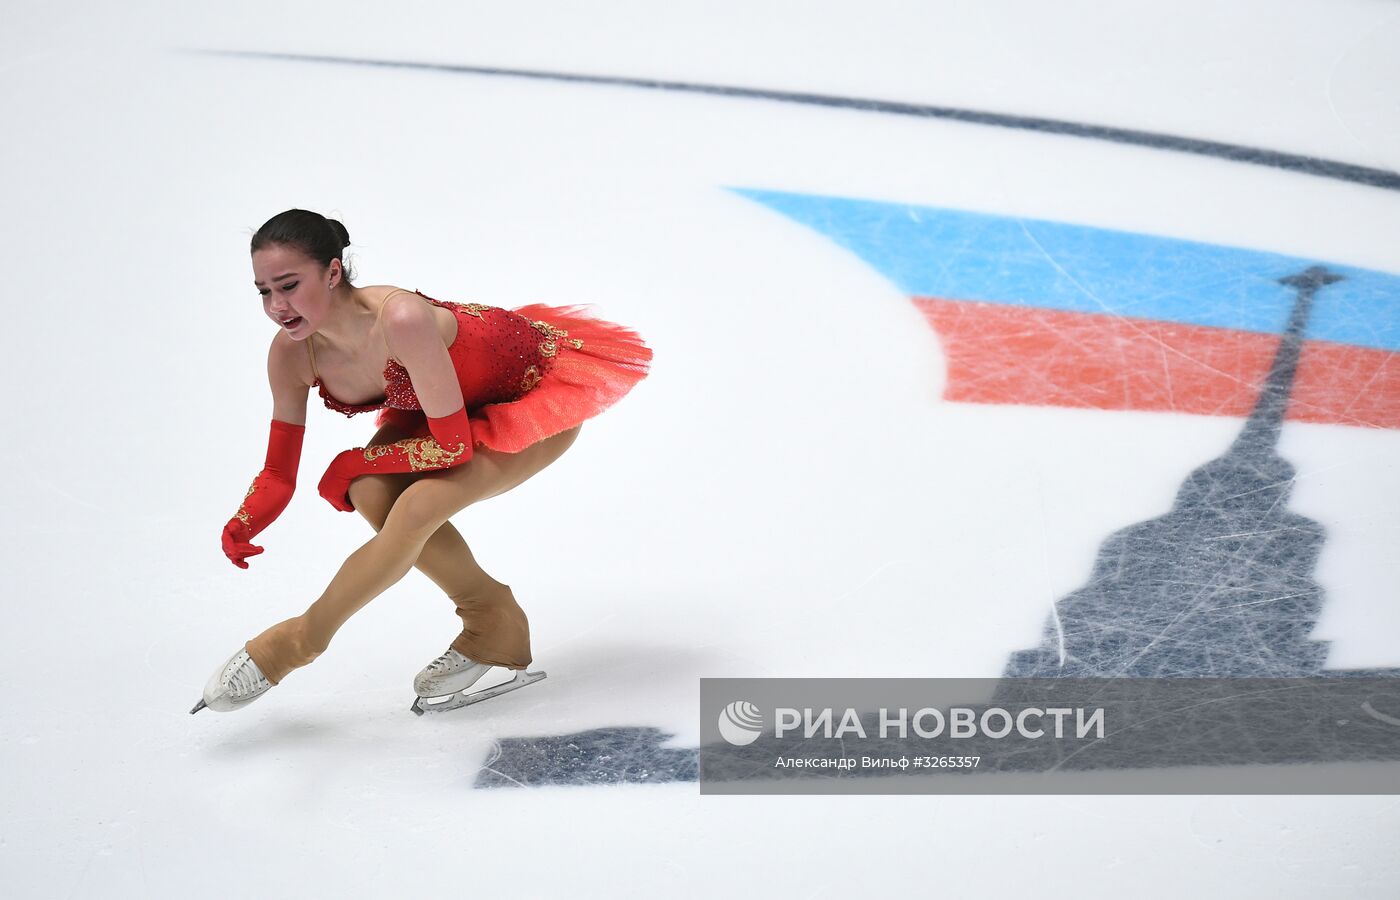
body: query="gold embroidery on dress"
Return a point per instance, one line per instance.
(548, 346)
(242, 514)
(475, 309)
(530, 379)
(548, 329)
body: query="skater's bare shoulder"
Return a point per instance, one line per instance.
(288, 361)
(290, 378)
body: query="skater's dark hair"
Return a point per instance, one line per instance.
(310, 232)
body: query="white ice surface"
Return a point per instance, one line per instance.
(723, 520)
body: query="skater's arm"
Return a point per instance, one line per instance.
(412, 335)
(272, 488)
(289, 376)
(450, 444)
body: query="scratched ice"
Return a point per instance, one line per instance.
(1220, 587)
(1042, 484)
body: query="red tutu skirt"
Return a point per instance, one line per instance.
(593, 365)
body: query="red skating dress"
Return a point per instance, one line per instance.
(526, 373)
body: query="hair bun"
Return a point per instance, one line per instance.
(341, 231)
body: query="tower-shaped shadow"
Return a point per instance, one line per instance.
(1220, 586)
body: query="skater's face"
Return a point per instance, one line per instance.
(295, 289)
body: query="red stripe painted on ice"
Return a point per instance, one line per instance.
(1026, 355)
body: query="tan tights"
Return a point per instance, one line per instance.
(410, 514)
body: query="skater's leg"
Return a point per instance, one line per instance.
(416, 515)
(495, 629)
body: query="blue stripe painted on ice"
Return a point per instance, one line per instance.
(961, 255)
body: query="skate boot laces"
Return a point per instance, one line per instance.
(448, 661)
(247, 679)
(450, 672)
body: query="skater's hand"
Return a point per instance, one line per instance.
(236, 543)
(268, 495)
(446, 442)
(335, 484)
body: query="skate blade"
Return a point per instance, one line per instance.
(460, 699)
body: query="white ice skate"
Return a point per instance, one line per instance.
(234, 685)
(443, 683)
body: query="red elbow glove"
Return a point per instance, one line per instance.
(269, 493)
(450, 445)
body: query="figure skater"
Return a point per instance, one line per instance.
(472, 400)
